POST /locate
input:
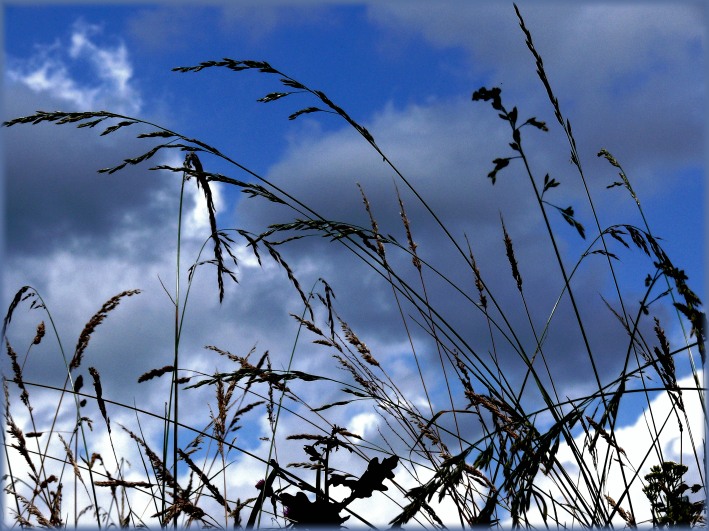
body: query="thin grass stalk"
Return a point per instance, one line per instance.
(142, 457)
(217, 153)
(566, 126)
(390, 281)
(538, 348)
(628, 186)
(337, 110)
(577, 162)
(564, 274)
(272, 446)
(175, 373)
(173, 400)
(417, 264)
(693, 367)
(80, 424)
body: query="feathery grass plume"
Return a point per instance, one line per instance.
(223, 405)
(40, 334)
(407, 226)
(155, 373)
(12, 480)
(204, 478)
(502, 413)
(309, 325)
(287, 81)
(55, 508)
(182, 505)
(327, 301)
(464, 375)
(605, 435)
(99, 396)
(353, 340)
(94, 322)
(366, 384)
(161, 472)
(373, 222)
(625, 515)
(692, 303)
(192, 162)
(226, 353)
(21, 444)
(511, 256)
(233, 424)
(665, 366)
(33, 510)
(72, 460)
(291, 276)
(479, 285)
(17, 371)
(624, 178)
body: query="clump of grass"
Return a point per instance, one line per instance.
(507, 468)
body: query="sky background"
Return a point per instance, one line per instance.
(630, 78)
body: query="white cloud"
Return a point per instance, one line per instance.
(363, 424)
(54, 70)
(641, 453)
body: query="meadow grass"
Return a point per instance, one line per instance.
(424, 462)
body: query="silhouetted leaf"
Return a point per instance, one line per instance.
(487, 95)
(373, 478)
(539, 125)
(549, 183)
(512, 115)
(304, 513)
(499, 164)
(568, 214)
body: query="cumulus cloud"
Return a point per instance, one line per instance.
(596, 69)
(80, 238)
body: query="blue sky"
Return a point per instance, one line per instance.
(630, 78)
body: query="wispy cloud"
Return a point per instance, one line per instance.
(53, 70)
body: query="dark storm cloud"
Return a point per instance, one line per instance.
(55, 197)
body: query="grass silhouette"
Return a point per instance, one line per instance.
(425, 462)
